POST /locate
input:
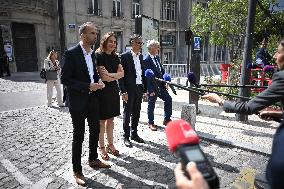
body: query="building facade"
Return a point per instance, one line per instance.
(33, 27)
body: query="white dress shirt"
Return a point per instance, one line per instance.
(89, 62)
(138, 68)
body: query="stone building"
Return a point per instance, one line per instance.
(30, 28)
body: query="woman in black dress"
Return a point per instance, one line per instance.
(110, 71)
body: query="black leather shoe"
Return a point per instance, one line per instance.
(127, 143)
(165, 122)
(136, 138)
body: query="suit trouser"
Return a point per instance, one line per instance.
(164, 95)
(132, 108)
(78, 120)
(275, 167)
(50, 84)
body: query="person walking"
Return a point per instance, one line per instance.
(6, 66)
(274, 93)
(110, 70)
(152, 61)
(80, 76)
(132, 86)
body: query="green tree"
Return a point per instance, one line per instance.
(224, 22)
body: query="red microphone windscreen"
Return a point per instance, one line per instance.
(180, 132)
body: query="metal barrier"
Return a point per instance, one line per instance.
(179, 70)
(175, 70)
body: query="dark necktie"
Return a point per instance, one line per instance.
(157, 63)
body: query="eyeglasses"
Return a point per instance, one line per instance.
(139, 43)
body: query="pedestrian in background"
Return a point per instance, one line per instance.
(1, 66)
(152, 61)
(80, 76)
(132, 86)
(110, 70)
(6, 65)
(262, 56)
(52, 64)
(274, 93)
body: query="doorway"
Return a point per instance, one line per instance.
(24, 44)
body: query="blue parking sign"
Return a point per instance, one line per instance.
(197, 43)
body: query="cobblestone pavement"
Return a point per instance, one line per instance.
(36, 148)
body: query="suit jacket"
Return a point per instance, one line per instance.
(128, 82)
(150, 64)
(274, 93)
(75, 76)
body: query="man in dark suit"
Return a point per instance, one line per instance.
(132, 86)
(152, 61)
(274, 93)
(80, 76)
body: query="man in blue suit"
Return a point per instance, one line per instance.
(152, 61)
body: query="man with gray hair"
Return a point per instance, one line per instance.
(152, 61)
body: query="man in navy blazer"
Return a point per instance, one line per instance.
(132, 87)
(79, 75)
(152, 61)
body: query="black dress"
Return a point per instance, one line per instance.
(109, 96)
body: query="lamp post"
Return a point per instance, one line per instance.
(247, 55)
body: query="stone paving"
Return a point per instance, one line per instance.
(36, 147)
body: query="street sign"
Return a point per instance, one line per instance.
(197, 43)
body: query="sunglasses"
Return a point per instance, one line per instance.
(139, 43)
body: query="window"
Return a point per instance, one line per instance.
(168, 10)
(116, 10)
(168, 40)
(168, 58)
(219, 53)
(204, 49)
(94, 7)
(135, 8)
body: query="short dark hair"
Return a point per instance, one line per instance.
(83, 27)
(133, 37)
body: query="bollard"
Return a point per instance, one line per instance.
(188, 113)
(178, 81)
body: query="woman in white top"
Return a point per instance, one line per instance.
(51, 63)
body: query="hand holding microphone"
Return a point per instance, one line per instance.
(197, 180)
(183, 140)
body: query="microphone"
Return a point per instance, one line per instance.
(150, 74)
(183, 140)
(168, 78)
(192, 79)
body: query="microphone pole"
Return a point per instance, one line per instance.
(202, 91)
(233, 86)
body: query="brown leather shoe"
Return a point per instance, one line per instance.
(80, 179)
(98, 164)
(153, 127)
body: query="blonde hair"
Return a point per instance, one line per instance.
(103, 43)
(51, 53)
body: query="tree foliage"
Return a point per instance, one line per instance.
(224, 21)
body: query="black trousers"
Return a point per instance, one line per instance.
(78, 120)
(132, 109)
